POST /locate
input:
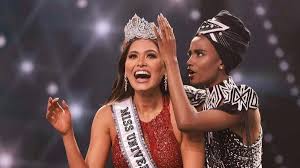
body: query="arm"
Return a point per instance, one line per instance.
(192, 150)
(187, 117)
(59, 117)
(100, 139)
(73, 153)
(191, 145)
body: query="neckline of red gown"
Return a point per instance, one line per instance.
(165, 100)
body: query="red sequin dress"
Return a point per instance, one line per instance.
(160, 139)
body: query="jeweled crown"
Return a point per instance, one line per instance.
(139, 28)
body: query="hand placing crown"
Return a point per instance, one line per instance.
(166, 39)
(139, 28)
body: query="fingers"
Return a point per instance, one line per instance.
(161, 27)
(51, 116)
(170, 34)
(165, 26)
(170, 29)
(48, 106)
(53, 110)
(65, 106)
(49, 100)
(166, 30)
(156, 31)
(55, 100)
(53, 106)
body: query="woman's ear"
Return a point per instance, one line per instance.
(221, 66)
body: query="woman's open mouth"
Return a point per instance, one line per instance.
(190, 72)
(142, 75)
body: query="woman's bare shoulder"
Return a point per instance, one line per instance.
(104, 115)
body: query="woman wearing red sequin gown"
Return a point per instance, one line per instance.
(137, 123)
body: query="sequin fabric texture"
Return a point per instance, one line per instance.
(224, 149)
(160, 139)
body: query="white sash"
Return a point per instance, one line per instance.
(130, 135)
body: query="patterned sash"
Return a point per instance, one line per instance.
(130, 135)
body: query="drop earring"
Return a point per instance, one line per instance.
(125, 83)
(166, 82)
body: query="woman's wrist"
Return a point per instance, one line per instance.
(171, 61)
(68, 134)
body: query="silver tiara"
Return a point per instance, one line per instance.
(139, 28)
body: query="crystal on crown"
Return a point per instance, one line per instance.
(139, 28)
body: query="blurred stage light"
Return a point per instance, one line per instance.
(290, 78)
(272, 39)
(268, 138)
(298, 102)
(82, 3)
(177, 1)
(102, 28)
(195, 14)
(267, 25)
(237, 76)
(26, 67)
(278, 159)
(76, 110)
(284, 66)
(2, 41)
(260, 10)
(294, 91)
(52, 88)
(6, 160)
(279, 53)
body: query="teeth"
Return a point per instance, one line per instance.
(142, 73)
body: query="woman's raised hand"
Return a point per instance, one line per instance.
(59, 116)
(166, 39)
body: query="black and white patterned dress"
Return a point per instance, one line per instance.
(224, 148)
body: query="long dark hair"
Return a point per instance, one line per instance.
(118, 91)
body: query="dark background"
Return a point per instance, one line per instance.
(51, 48)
